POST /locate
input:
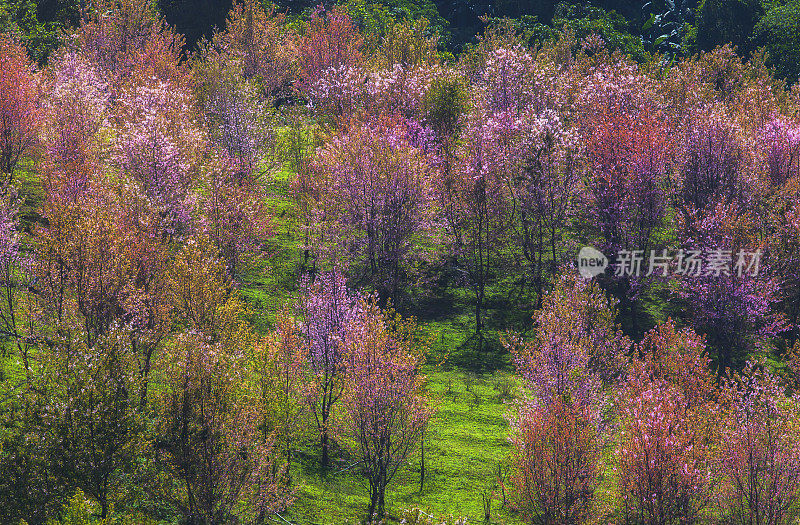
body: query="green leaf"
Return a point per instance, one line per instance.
(647, 25)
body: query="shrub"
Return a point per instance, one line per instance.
(445, 103)
(415, 516)
(503, 385)
(78, 511)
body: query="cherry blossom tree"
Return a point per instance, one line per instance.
(331, 41)
(79, 267)
(713, 164)
(385, 412)
(578, 346)
(372, 197)
(233, 212)
(255, 45)
(630, 147)
(127, 41)
(734, 307)
(146, 308)
(213, 407)
(545, 184)
(760, 449)
(556, 458)
(557, 433)
(732, 296)
(733, 310)
(157, 147)
(241, 125)
(235, 76)
(20, 111)
(13, 325)
(476, 207)
(210, 434)
(669, 422)
(90, 426)
(74, 111)
(278, 364)
(325, 307)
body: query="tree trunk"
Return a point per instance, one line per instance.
(381, 511)
(478, 317)
(373, 502)
(422, 464)
(325, 460)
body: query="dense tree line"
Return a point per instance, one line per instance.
(137, 384)
(672, 28)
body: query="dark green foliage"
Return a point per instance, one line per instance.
(616, 31)
(39, 24)
(377, 17)
(65, 13)
(296, 6)
(18, 15)
(542, 9)
(26, 489)
(73, 427)
(723, 21)
(464, 17)
(195, 19)
(664, 29)
(582, 20)
(779, 33)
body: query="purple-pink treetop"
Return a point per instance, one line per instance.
(578, 346)
(373, 196)
(76, 107)
(156, 148)
(239, 122)
(781, 144)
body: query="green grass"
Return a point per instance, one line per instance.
(269, 283)
(468, 437)
(465, 443)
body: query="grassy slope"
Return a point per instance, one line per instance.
(465, 444)
(467, 439)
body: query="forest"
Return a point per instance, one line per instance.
(419, 263)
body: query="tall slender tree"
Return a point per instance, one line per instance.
(20, 111)
(325, 307)
(385, 412)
